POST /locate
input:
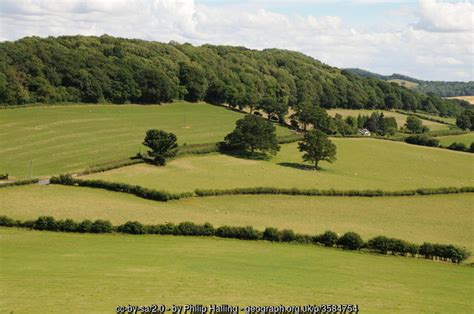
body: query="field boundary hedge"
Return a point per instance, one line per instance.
(330, 192)
(137, 190)
(348, 241)
(19, 182)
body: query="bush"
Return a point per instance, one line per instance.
(351, 241)
(68, 225)
(328, 238)
(6, 221)
(132, 227)
(46, 223)
(287, 235)
(85, 226)
(458, 146)
(243, 233)
(422, 139)
(271, 234)
(101, 226)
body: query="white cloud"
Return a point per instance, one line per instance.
(423, 49)
(440, 16)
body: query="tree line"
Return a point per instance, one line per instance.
(106, 69)
(348, 241)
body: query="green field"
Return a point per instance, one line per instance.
(71, 137)
(467, 139)
(437, 218)
(361, 164)
(401, 118)
(54, 272)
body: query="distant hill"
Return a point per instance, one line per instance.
(439, 88)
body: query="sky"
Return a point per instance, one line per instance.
(425, 39)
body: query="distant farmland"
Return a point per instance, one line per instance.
(469, 99)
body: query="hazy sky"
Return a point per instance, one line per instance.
(427, 39)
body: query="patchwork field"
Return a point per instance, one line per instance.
(71, 137)
(467, 139)
(416, 219)
(361, 164)
(401, 118)
(469, 99)
(103, 271)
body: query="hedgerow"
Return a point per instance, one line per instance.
(19, 182)
(137, 190)
(331, 192)
(348, 241)
(423, 140)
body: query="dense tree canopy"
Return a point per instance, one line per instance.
(162, 145)
(316, 147)
(253, 133)
(107, 69)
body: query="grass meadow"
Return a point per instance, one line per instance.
(436, 218)
(467, 139)
(401, 118)
(72, 137)
(361, 164)
(95, 273)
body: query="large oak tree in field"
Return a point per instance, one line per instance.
(162, 145)
(316, 147)
(253, 133)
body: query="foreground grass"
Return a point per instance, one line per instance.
(361, 164)
(401, 118)
(95, 273)
(71, 137)
(437, 218)
(467, 139)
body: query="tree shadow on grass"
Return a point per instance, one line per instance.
(299, 166)
(248, 155)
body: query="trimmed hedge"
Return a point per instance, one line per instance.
(348, 241)
(137, 190)
(19, 182)
(423, 140)
(110, 166)
(331, 192)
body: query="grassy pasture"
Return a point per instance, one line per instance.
(361, 164)
(401, 118)
(437, 218)
(467, 139)
(95, 273)
(71, 137)
(407, 84)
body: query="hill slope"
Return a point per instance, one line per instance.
(439, 88)
(107, 69)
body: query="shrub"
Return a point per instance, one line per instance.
(287, 235)
(68, 225)
(458, 146)
(244, 233)
(46, 223)
(379, 244)
(351, 241)
(85, 226)
(101, 226)
(422, 139)
(271, 234)
(328, 238)
(6, 221)
(471, 148)
(19, 182)
(132, 227)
